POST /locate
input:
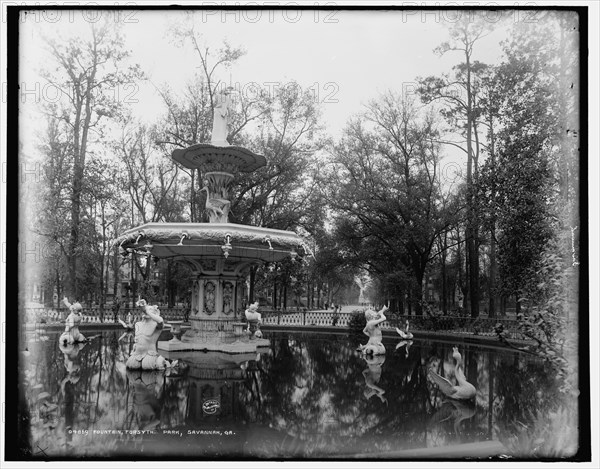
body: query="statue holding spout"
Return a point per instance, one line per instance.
(72, 334)
(373, 331)
(254, 319)
(147, 331)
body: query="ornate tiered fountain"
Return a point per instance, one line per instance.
(219, 253)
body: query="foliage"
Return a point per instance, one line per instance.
(544, 318)
(385, 191)
(357, 322)
(460, 96)
(283, 194)
(551, 435)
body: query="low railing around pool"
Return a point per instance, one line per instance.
(481, 326)
(97, 315)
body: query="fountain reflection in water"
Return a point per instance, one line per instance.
(302, 397)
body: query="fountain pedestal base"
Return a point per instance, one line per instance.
(235, 347)
(213, 335)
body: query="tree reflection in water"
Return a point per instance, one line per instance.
(302, 398)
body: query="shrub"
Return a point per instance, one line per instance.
(357, 322)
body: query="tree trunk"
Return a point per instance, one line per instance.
(170, 284)
(418, 300)
(74, 236)
(102, 267)
(460, 279)
(58, 289)
(471, 232)
(193, 196)
(490, 393)
(319, 296)
(116, 275)
(493, 271)
(444, 276)
(252, 281)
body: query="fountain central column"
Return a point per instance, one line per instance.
(219, 253)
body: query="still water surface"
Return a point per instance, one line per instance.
(307, 396)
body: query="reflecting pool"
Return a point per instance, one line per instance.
(306, 396)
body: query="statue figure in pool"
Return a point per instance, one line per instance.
(72, 334)
(254, 319)
(373, 331)
(147, 331)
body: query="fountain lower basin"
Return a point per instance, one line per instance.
(220, 256)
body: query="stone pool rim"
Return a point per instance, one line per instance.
(471, 339)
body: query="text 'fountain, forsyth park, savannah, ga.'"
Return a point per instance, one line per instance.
(219, 253)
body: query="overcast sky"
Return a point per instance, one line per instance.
(344, 57)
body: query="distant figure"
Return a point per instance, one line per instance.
(336, 316)
(220, 128)
(72, 334)
(187, 310)
(115, 309)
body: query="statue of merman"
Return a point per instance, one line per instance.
(72, 334)
(147, 332)
(254, 319)
(373, 331)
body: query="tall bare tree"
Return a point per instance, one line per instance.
(89, 71)
(460, 94)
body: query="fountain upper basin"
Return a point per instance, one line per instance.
(206, 240)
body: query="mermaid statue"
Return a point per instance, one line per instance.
(373, 331)
(72, 334)
(254, 319)
(147, 331)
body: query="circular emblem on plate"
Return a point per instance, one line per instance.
(211, 406)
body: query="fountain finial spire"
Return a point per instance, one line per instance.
(220, 128)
